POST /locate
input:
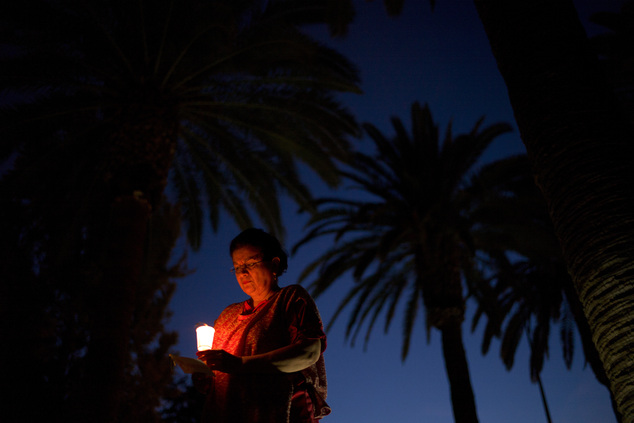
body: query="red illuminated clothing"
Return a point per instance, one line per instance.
(287, 317)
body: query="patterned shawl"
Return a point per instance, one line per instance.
(289, 316)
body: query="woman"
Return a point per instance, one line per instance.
(267, 355)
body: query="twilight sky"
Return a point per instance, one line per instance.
(441, 58)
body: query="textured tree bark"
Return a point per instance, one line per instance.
(580, 146)
(589, 349)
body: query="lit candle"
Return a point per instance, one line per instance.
(204, 337)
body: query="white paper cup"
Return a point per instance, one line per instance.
(204, 337)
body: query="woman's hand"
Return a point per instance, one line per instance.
(220, 360)
(202, 382)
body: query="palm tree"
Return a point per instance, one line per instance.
(410, 236)
(109, 99)
(525, 288)
(578, 141)
(215, 84)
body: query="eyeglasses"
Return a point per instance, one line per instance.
(242, 268)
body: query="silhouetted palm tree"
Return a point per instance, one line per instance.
(217, 84)
(523, 270)
(110, 98)
(525, 288)
(409, 237)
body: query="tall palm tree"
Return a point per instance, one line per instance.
(578, 140)
(215, 84)
(525, 288)
(410, 236)
(109, 99)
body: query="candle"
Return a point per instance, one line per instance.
(204, 337)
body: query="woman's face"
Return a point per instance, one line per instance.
(258, 281)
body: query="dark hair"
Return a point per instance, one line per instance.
(267, 243)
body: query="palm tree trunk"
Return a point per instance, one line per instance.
(538, 378)
(108, 348)
(139, 153)
(462, 398)
(544, 401)
(579, 144)
(589, 349)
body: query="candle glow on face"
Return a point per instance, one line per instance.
(204, 337)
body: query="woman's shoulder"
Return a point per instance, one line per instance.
(295, 290)
(235, 308)
(296, 294)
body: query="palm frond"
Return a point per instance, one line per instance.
(513, 333)
(400, 222)
(566, 334)
(411, 312)
(190, 202)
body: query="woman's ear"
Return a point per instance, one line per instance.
(275, 264)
